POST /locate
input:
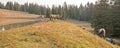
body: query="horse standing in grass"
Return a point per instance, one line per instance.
(53, 17)
(100, 32)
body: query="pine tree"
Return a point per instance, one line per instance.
(36, 9)
(89, 11)
(65, 10)
(60, 10)
(31, 6)
(48, 12)
(1, 5)
(42, 10)
(54, 9)
(9, 6)
(101, 15)
(115, 17)
(26, 7)
(16, 6)
(81, 11)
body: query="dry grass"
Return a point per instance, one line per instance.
(9, 17)
(81, 24)
(58, 34)
(11, 21)
(15, 14)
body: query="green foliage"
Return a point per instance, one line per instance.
(16, 6)
(1, 5)
(116, 17)
(34, 8)
(42, 10)
(24, 7)
(101, 15)
(107, 15)
(65, 11)
(48, 12)
(54, 10)
(9, 6)
(31, 6)
(60, 10)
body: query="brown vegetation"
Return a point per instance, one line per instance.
(9, 17)
(58, 34)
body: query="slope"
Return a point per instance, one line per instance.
(57, 34)
(10, 17)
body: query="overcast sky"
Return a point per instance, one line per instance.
(51, 2)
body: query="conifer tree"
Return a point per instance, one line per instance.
(9, 6)
(1, 5)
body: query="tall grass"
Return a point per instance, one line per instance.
(58, 34)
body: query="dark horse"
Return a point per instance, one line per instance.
(100, 33)
(54, 16)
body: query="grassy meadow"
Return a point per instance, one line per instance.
(10, 17)
(57, 34)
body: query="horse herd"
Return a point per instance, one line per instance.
(52, 17)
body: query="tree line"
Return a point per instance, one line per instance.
(81, 12)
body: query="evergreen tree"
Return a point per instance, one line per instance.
(81, 12)
(16, 6)
(64, 8)
(26, 7)
(48, 12)
(9, 6)
(54, 9)
(31, 8)
(115, 17)
(21, 7)
(88, 11)
(60, 10)
(42, 10)
(36, 9)
(101, 15)
(1, 5)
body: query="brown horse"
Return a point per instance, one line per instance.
(54, 16)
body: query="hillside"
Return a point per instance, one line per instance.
(82, 24)
(57, 34)
(10, 17)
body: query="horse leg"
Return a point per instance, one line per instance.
(50, 18)
(104, 34)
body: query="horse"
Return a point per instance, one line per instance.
(53, 16)
(100, 32)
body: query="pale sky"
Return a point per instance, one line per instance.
(51, 2)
